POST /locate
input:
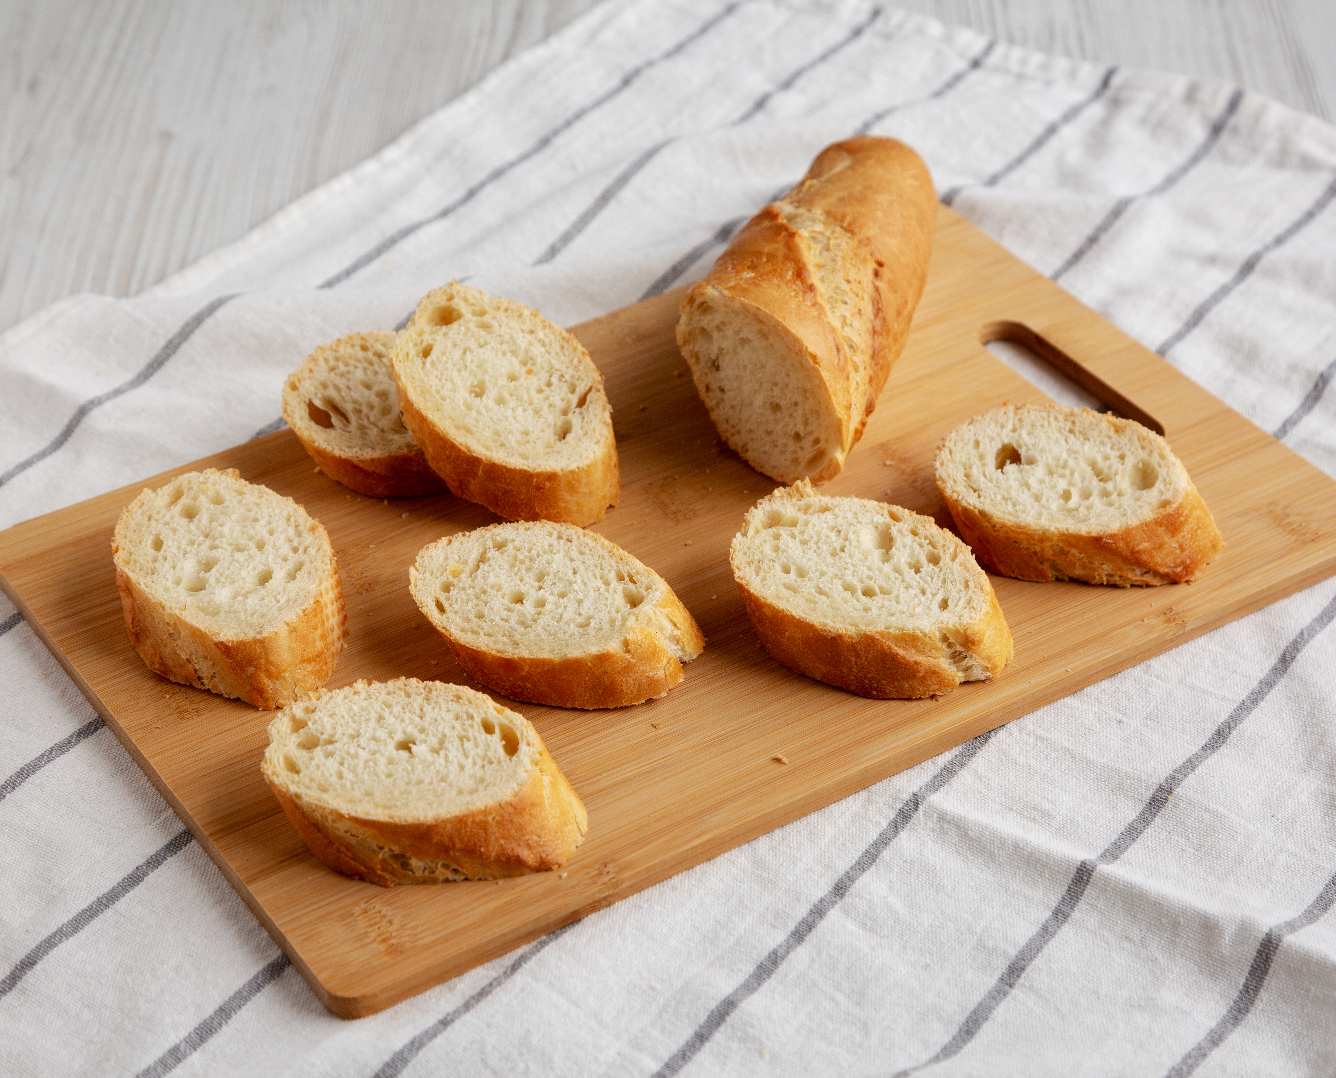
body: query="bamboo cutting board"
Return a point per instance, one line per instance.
(674, 782)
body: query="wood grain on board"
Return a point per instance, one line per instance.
(671, 783)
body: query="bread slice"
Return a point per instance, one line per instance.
(1043, 492)
(791, 336)
(867, 596)
(555, 615)
(508, 408)
(343, 406)
(229, 587)
(411, 781)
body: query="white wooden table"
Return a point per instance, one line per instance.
(138, 135)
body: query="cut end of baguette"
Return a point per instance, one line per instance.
(412, 782)
(509, 409)
(555, 615)
(867, 596)
(343, 405)
(763, 391)
(229, 586)
(1043, 492)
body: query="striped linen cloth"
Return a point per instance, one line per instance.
(1135, 880)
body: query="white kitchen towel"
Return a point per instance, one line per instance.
(1134, 880)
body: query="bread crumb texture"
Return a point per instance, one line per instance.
(1044, 492)
(503, 380)
(550, 594)
(413, 781)
(343, 404)
(231, 557)
(866, 595)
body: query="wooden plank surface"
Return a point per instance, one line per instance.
(676, 781)
(155, 113)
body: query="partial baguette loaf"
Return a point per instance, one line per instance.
(343, 406)
(1043, 492)
(792, 334)
(867, 596)
(411, 781)
(229, 587)
(555, 615)
(508, 408)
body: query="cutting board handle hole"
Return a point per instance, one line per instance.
(1056, 374)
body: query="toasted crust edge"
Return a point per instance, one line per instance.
(882, 665)
(395, 475)
(388, 475)
(267, 671)
(578, 496)
(1172, 547)
(645, 669)
(880, 192)
(536, 829)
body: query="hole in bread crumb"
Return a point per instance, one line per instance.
(1066, 494)
(207, 563)
(564, 427)
(405, 744)
(190, 510)
(294, 570)
(425, 351)
(869, 591)
(263, 577)
(776, 518)
(583, 399)
(943, 603)
(440, 607)
(445, 315)
(260, 543)
(488, 726)
(477, 389)
(933, 557)
(516, 597)
(308, 740)
(215, 498)
(1006, 454)
(196, 583)
(318, 415)
(177, 494)
(297, 724)
(510, 739)
(157, 543)
(633, 595)
(1145, 475)
(291, 764)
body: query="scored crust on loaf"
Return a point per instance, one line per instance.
(555, 615)
(867, 596)
(343, 406)
(792, 334)
(508, 408)
(230, 587)
(411, 781)
(1043, 492)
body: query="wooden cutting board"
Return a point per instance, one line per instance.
(674, 782)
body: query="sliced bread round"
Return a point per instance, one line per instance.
(411, 781)
(230, 587)
(867, 596)
(556, 615)
(1043, 492)
(343, 406)
(508, 408)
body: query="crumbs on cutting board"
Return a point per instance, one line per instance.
(780, 758)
